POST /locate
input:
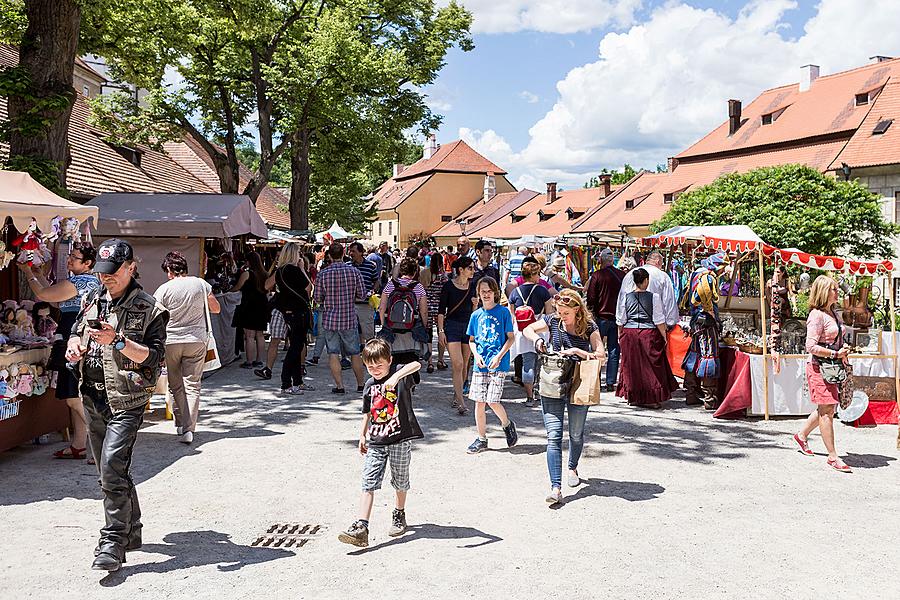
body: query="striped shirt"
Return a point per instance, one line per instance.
(337, 287)
(369, 271)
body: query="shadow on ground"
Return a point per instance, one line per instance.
(431, 531)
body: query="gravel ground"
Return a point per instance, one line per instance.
(674, 505)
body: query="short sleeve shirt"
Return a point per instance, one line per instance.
(561, 339)
(84, 284)
(392, 419)
(489, 329)
(185, 299)
(536, 295)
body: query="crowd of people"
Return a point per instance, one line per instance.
(376, 310)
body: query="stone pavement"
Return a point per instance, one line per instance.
(675, 504)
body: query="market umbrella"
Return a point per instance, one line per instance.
(22, 198)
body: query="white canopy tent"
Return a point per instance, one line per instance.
(22, 198)
(675, 236)
(336, 231)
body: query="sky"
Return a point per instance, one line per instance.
(556, 90)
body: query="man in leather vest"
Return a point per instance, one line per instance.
(119, 339)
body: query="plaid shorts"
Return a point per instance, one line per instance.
(376, 461)
(486, 387)
(277, 325)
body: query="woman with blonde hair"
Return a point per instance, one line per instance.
(572, 333)
(824, 343)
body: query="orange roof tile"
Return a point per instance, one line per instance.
(828, 107)
(393, 193)
(578, 200)
(647, 190)
(455, 157)
(482, 214)
(867, 149)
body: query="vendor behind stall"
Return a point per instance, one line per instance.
(68, 294)
(701, 363)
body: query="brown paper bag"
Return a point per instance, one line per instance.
(586, 389)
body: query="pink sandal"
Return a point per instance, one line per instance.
(804, 446)
(838, 465)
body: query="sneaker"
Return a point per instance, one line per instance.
(179, 430)
(356, 535)
(257, 364)
(531, 402)
(345, 364)
(479, 445)
(246, 365)
(398, 523)
(264, 373)
(305, 387)
(555, 496)
(312, 361)
(511, 435)
(291, 391)
(574, 480)
(187, 437)
(466, 388)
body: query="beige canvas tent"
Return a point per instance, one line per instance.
(22, 198)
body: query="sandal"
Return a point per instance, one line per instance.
(71, 452)
(461, 409)
(429, 369)
(442, 366)
(839, 465)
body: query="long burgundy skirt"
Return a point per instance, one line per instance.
(645, 376)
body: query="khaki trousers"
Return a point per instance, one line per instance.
(184, 365)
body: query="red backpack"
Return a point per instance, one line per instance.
(400, 315)
(525, 314)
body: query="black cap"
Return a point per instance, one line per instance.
(111, 255)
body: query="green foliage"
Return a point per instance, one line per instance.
(44, 171)
(801, 305)
(43, 108)
(13, 21)
(791, 206)
(281, 172)
(618, 177)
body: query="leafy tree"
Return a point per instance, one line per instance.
(280, 176)
(791, 206)
(618, 177)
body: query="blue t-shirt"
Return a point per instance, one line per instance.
(84, 284)
(490, 329)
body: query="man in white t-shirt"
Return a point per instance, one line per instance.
(660, 283)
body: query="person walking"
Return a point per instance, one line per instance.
(368, 270)
(825, 343)
(660, 284)
(69, 294)
(491, 336)
(602, 296)
(484, 263)
(253, 311)
(338, 286)
(433, 295)
(119, 342)
(454, 310)
(647, 378)
(403, 304)
(529, 295)
(572, 333)
(186, 298)
(292, 288)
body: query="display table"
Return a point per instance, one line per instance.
(37, 414)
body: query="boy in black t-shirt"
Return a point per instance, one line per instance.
(390, 426)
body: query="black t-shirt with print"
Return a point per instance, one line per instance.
(391, 414)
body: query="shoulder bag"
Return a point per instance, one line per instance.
(832, 370)
(557, 372)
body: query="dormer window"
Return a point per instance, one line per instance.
(882, 126)
(573, 214)
(516, 218)
(132, 155)
(629, 204)
(862, 99)
(767, 119)
(545, 216)
(668, 198)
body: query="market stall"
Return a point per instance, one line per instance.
(46, 224)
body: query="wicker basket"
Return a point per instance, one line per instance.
(750, 349)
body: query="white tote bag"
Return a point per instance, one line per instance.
(212, 353)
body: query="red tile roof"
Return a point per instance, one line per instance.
(455, 157)
(393, 193)
(556, 221)
(867, 149)
(828, 107)
(482, 214)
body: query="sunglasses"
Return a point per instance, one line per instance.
(565, 300)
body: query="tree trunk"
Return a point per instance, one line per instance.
(47, 53)
(300, 174)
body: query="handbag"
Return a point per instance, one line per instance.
(832, 370)
(557, 372)
(586, 389)
(211, 362)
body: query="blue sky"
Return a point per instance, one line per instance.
(557, 89)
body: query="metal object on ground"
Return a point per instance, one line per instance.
(288, 535)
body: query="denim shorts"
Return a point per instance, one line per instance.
(456, 331)
(344, 341)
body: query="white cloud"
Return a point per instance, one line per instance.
(550, 16)
(529, 97)
(661, 85)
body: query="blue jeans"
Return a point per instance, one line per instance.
(529, 363)
(609, 330)
(553, 422)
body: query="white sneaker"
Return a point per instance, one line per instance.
(187, 437)
(555, 496)
(179, 430)
(573, 480)
(291, 391)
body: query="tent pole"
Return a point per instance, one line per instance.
(894, 344)
(762, 314)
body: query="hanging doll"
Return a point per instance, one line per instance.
(24, 327)
(25, 385)
(44, 325)
(32, 249)
(8, 322)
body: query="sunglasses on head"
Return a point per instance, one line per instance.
(565, 300)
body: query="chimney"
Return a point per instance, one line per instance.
(808, 74)
(430, 147)
(551, 192)
(671, 164)
(490, 186)
(879, 59)
(734, 116)
(605, 184)
(398, 168)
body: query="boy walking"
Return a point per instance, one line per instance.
(388, 428)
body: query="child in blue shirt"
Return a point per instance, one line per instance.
(491, 335)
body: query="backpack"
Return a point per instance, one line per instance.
(525, 314)
(400, 315)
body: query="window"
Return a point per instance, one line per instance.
(132, 155)
(390, 227)
(446, 218)
(668, 198)
(767, 119)
(896, 207)
(516, 218)
(574, 214)
(380, 233)
(629, 204)
(545, 216)
(86, 91)
(862, 99)
(882, 126)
